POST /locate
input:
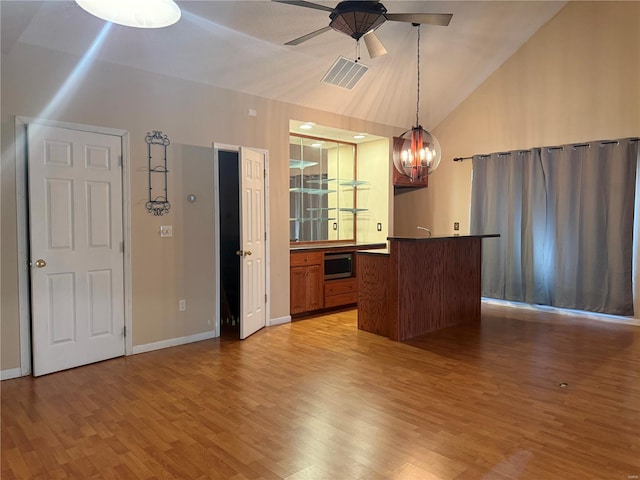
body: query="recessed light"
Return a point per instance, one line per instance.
(138, 13)
(316, 145)
(359, 136)
(307, 126)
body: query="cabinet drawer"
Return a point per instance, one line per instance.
(306, 258)
(340, 287)
(342, 299)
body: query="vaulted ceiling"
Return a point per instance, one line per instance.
(239, 45)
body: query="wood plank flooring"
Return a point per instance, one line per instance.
(318, 399)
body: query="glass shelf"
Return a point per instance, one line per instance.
(312, 191)
(301, 164)
(352, 183)
(354, 210)
(308, 219)
(315, 209)
(322, 180)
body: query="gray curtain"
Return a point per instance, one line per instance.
(565, 216)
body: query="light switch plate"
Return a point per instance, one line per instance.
(166, 230)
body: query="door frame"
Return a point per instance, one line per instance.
(216, 218)
(22, 207)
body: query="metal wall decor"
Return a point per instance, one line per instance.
(158, 203)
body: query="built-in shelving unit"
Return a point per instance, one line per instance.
(322, 183)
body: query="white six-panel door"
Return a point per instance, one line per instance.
(252, 242)
(76, 243)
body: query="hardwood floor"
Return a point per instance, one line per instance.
(318, 399)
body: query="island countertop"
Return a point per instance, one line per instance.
(421, 238)
(418, 238)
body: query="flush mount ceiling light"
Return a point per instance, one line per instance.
(134, 13)
(416, 153)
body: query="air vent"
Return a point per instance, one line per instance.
(345, 73)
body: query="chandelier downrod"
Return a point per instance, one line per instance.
(418, 94)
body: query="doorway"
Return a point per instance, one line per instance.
(242, 253)
(229, 228)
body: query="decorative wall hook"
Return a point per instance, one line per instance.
(158, 203)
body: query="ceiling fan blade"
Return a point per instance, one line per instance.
(308, 36)
(374, 45)
(302, 3)
(441, 19)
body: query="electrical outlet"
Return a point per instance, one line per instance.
(182, 305)
(456, 226)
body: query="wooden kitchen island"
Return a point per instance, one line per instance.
(418, 285)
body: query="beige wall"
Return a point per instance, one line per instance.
(194, 116)
(373, 167)
(577, 79)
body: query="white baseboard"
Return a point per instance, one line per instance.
(11, 373)
(279, 321)
(173, 342)
(603, 317)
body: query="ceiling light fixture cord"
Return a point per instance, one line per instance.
(418, 99)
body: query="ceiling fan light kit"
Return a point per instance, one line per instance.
(360, 18)
(374, 46)
(355, 18)
(137, 14)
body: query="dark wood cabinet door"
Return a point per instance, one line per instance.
(298, 289)
(315, 298)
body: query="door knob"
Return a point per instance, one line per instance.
(40, 263)
(248, 252)
(239, 253)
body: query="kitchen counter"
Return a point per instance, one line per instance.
(334, 246)
(426, 238)
(420, 284)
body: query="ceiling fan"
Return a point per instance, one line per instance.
(359, 19)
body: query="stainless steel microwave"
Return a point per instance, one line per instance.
(338, 265)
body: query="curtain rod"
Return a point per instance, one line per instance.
(577, 145)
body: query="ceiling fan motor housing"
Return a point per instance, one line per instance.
(356, 17)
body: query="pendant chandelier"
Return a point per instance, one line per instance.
(416, 153)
